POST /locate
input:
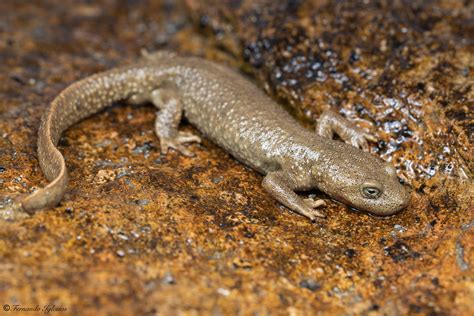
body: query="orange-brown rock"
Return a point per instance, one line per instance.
(139, 232)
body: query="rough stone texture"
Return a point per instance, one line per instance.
(138, 232)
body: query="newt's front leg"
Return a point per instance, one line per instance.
(330, 122)
(281, 186)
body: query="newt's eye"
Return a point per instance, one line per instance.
(370, 191)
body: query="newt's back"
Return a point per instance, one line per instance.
(235, 113)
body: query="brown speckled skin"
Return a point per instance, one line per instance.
(231, 111)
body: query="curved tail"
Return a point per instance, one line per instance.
(53, 165)
(73, 104)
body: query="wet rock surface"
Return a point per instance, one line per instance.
(139, 232)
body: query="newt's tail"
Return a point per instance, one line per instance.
(73, 104)
(52, 163)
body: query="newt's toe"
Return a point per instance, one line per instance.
(312, 214)
(177, 143)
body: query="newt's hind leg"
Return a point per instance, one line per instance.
(167, 122)
(330, 123)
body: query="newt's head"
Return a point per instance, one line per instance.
(362, 181)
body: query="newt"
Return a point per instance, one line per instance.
(234, 113)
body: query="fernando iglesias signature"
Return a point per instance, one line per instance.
(46, 309)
